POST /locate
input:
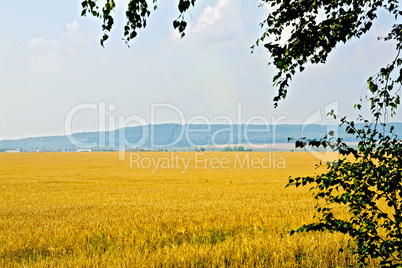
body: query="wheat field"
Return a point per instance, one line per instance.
(159, 209)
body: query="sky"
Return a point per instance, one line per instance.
(55, 77)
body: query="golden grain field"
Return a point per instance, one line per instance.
(224, 209)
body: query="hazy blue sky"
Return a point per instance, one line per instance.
(51, 61)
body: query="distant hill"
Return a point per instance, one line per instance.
(177, 136)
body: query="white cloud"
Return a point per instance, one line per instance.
(2, 56)
(70, 42)
(211, 15)
(219, 22)
(106, 57)
(40, 42)
(73, 27)
(75, 35)
(46, 64)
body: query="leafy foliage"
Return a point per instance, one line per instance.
(366, 180)
(137, 12)
(369, 184)
(316, 27)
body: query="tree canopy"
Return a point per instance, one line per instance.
(316, 28)
(137, 13)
